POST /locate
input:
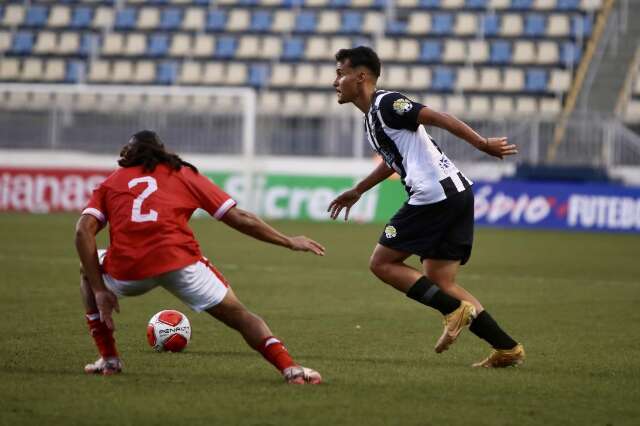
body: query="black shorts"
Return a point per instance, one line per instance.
(443, 230)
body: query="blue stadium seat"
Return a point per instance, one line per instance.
(581, 25)
(490, 25)
(202, 2)
(431, 51)
(567, 4)
(396, 27)
(126, 19)
(158, 1)
(81, 17)
(536, 80)
(442, 23)
(216, 20)
(521, 4)
(293, 48)
(500, 52)
(36, 16)
(248, 2)
(166, 72)
(258, 75)
(433, 4)
(535, 25)
(443, 79)
(570, 54)
(87, 42)
(351, 22)
(74, 71)
(171, 18)
(475, 4)
(22, 43)
(305, 22)
(158, 45)
(226, 47)
(292, 3)
(260, 21)
(340, 3)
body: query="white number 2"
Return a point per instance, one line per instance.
(136, 214)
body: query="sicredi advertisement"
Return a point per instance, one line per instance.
(589, 207)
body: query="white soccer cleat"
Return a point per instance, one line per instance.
(298, 375)
(106, 367)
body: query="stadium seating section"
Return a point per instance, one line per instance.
(633, 108)
(467, 56)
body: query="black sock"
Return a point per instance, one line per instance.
(485, 327)
(428, 293)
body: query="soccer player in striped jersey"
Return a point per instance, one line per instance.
(147, 203)
(436, 222)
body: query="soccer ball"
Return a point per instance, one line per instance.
(169, 331)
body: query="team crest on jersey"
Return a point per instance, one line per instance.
(402, 105)
(444, 163)
(390, 231)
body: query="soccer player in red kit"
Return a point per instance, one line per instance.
(148, 202)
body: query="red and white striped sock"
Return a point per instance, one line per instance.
(102, 335)
(274, 351)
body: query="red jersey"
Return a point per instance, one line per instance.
(148, 215)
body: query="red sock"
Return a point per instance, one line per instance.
(102, 335)
(274, 351)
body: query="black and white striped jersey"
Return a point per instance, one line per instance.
(393, 131)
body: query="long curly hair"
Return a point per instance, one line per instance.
(147, 150)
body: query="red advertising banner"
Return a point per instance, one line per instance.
(43, 190)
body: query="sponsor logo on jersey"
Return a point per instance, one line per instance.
(390, 231)
(402, 105)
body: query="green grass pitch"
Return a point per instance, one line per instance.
(573, 299)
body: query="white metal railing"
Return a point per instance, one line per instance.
(225, 121)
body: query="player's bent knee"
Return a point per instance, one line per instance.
(378, 268)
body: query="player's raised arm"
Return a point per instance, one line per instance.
(347, 199)
(496, 147)
(250, 224)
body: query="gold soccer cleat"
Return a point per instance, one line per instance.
(454, 323)
(501, 358)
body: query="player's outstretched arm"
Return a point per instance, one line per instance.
(86, 229)
(496, 147)
(347, 199)
(250, 224)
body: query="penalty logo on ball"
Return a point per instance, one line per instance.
(169, 330)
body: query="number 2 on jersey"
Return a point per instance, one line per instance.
(136, 211)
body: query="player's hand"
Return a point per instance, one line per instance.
(344, 201)
(107, 302)
(302, 243)
(499, 147)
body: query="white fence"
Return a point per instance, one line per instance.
(225, 121)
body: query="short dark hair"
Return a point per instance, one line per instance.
(147, 150)
(361, 56)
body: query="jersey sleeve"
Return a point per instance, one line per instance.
(209, 195)
(96, 206)
(399, 112)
